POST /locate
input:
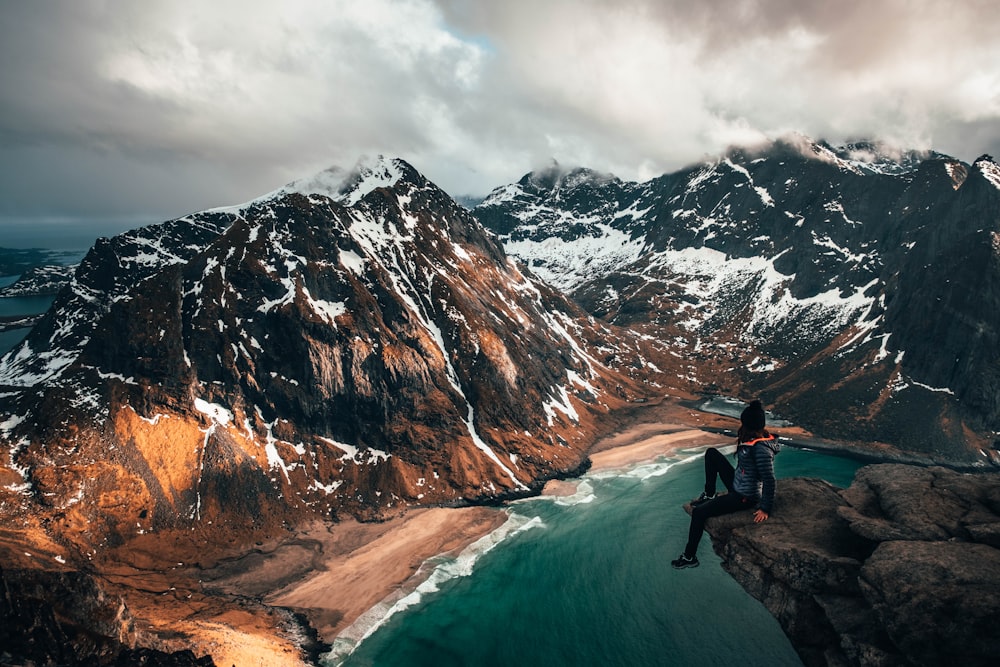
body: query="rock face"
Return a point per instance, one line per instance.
(901, 568)
(353, 344)
(66, 618)
(853, 288)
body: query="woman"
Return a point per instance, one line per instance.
(750, 485)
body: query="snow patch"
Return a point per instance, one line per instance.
(215, 412)
(287, 298)
(560, 403)
(354, 454)
(353, 262)
(990, 171)
(328, 310)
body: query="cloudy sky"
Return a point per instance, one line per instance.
(115, 113)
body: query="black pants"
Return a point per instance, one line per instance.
(716, 465)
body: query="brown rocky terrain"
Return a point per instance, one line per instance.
(901, 568)
(205, 390)
(213, 443)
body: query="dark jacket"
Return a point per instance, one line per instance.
(755, 470)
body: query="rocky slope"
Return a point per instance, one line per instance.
(65, 617)
(901, 568)
(850, 286)
(353, 345)
(40, 281)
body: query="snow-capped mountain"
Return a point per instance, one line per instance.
(40, 281)
(853, 286)
(356, 342)
(350, 344)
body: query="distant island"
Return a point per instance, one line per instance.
(17, 261)
(39, 272)
(40, 281)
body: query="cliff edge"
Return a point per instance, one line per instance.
(901, 568)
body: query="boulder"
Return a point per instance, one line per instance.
(901, 568)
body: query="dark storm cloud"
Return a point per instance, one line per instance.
(165, 106)
(118, 109)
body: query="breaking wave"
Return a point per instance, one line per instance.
(427, 579)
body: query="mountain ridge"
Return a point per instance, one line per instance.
(356, 344)
(779, 261)
(297, 356)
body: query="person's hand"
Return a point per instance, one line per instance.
(759, 516)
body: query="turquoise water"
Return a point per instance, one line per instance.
(11, 337)
(19, 306)
(586, 580)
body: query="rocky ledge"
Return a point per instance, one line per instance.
(901, 568)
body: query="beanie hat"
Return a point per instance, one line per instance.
(752, 417)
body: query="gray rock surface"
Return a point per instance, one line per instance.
(901, 568)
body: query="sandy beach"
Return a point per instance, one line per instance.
(647, 442)
(335, 573)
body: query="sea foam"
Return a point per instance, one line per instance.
(436, 571)
(427, 579)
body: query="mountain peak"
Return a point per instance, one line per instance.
(346, 186)
(858, 156)
(558, 177)
(989, 168)
(349, 186)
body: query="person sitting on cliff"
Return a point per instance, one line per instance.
(751, 485)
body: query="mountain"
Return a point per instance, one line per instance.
(852, 287)
(357, 343)
(349, 345)
(40, 281)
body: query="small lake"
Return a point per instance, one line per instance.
(18, 306)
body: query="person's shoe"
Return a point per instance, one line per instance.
(703, 498)
(683, 562)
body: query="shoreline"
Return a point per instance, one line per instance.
(346, 579)
(320, 589)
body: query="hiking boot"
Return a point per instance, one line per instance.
(683, 562)
(703, 498)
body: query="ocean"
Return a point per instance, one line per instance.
(19, 306)
(586, 580)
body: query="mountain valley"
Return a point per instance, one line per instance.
(357, 345)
